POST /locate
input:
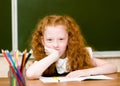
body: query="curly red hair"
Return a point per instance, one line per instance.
(77, 54)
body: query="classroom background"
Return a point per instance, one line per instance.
(99, 21)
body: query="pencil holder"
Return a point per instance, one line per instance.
(16, 70)
(16, 78)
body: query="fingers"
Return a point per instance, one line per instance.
(77, 73)
(47, 51)
(50, 51)
(71, 75)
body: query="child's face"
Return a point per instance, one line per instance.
(56, 37)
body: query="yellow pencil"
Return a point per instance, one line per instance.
(56, 78)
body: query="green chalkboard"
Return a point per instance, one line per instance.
(98, 19)
(5, 25)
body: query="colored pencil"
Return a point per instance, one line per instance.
(23, 61)
(28, 56)
(10, 65)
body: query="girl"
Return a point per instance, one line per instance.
(60, 49)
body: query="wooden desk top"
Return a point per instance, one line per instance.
(114, 82)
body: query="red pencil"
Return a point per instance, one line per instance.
(23, 61)
(19, 81)
(4, 54)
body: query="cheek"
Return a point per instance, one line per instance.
(48, 45)
(63, 50)
(64, 44)
(63, 47)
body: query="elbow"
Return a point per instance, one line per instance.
(115, 69)
(112, 68)
(31, 75)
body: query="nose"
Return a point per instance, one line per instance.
(55, 44)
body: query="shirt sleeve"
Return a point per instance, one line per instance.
(90, 51)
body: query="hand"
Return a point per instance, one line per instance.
(50, 51)
(78, 73)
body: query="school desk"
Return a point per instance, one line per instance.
(113, 82)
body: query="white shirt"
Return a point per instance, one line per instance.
(61, 63)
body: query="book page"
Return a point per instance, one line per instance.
(64, 79)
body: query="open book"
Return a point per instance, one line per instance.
(64, 79)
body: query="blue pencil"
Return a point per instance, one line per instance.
(13, 64)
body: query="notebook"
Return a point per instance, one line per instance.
(64, 79)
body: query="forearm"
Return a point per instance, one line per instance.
(37, 68)
(103, 69)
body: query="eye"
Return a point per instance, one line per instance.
(61, 39)
(49, 39)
